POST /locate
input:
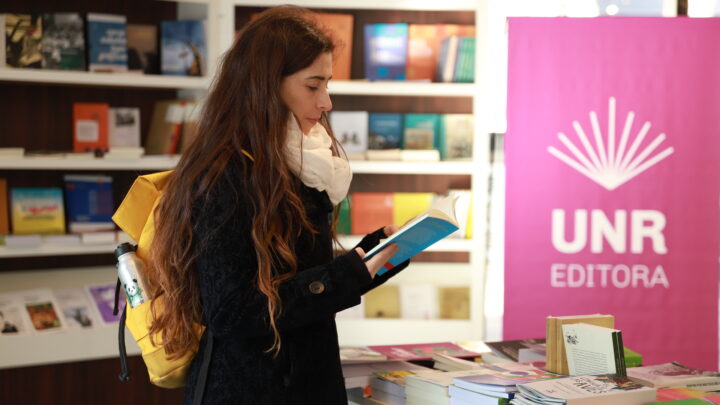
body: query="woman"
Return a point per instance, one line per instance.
(244, 236)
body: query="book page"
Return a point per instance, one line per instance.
(589, 349)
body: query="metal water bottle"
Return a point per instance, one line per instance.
(130, 272)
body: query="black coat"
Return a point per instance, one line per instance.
(307, 370)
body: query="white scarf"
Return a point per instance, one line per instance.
(310, 158)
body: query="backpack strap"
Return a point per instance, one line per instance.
(204, 370)
(124, 370)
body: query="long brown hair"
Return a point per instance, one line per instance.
(243, 111)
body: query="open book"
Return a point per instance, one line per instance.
(420, 232)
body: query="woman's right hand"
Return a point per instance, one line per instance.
(375, 263)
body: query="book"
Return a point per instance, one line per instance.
(359, 354)
(61, 240)
(385, 51)
(370, 212)
(4, 213)
(142, 43)
(23, 241)
(434, 385)
(165, 127)
(89, 203)
(418, 301)
(511, 348)
(632, 358)
(448, 363)
(674, 394)
(103, 298)
(675, 375)
(394, 154)
(585, 390)
(390, 381)
(447, 58)
(465, 61)
(350, 128)
(340, 29)
(14, 320)
(423, 351)
(63, 41)
(361, 374)
(107, 42)
(454, 302)
(407, 206)
(460, 396)
(75, 306)
(421, 131)
(37, 210)
(183, 49)
(422, 51)
(124, 152)
(556, 356)
(42, 310)
(385, 131)
(90, 127)
(23, 40)
(456, 136)
(383, 302)
(98, 238)
(592, 349)
(12, 152)
(503, 378)
(124, 127)
(418, 234)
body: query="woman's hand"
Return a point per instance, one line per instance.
(390, 229)
(376, 262)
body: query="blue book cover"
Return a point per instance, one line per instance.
(107, 42)
(386, 51)
(183, 49)
(89, 203)
(417, 235)
(422, 131)
(385, 131)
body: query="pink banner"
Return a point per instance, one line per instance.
(613, 166)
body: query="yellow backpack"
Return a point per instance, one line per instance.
(135, 217)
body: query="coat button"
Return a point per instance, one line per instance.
(317, 287)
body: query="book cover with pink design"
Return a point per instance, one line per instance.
(422, 351)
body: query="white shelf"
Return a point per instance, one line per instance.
(383, 167)
(56, 250)
(444, 245)
(401, 88)
(418, 5)
(155, 162)
(103, 79)
(370, 331)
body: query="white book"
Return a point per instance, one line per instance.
(351, 130)
(76, 308)
(124, 127)
(588, 390)
(592, 349)
(14, 320)
(23, 241)
(418, 302)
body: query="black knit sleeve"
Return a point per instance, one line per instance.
(227, 266)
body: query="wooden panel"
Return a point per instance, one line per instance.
(83, 383)
(136, 11)
(439, 105)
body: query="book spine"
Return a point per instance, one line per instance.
(620, 355)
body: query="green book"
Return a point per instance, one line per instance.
(342, 227)
(422, 131)
(632, 358)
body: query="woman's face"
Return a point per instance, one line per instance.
(305, 92)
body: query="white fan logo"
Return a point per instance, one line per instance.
(607, 165)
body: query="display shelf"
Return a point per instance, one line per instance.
(383, 167)
(56, 250)
(369, 331)
(401, 88)
(444, 245)
(410, 5)
(159, 162)
(103, 79)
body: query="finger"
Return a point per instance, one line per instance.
(390, 229)
(360, 252)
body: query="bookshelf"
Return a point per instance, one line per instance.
(221, 15)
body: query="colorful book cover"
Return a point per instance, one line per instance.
(407, 206)
(340, 29)
(597, 389)
(42, 310)
(423, 46)
(422, 131)
(107, 43)
(465, 64)
(183, 49)
(142, 42)
(166, 127)
(385, 131)
(103, 296)
(350, 128)
(89, 203)
(4, 213)
(90, 127)
(386, 51)
(383, 302)
(457, 134)
(37, 210)
(124, 127)
(23, 40)
(370, 212)
(63, 41)
(454, 302)
(422, 351)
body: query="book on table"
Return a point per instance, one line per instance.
(592, 349)
(673, 375)
(500, 380)
(585, 390)
(419, 233)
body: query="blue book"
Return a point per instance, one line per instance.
(420, 233)
(107, 43)
(89, 201)
(385, 131)
(386, 51)
(422, 131)
(183, 48)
